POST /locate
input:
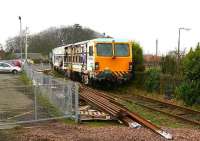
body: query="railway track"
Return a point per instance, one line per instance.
(108, 104)
(173, 110)
(167, 108)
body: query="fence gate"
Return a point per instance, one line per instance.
(45, 99)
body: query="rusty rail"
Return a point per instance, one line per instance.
(108, 104)
(184, 110)
(176, 111)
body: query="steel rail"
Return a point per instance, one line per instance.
(99, 105)
(105, 100)
(174, 106)
(106, 96)
(170, 104)
(169, 114)
(113, 97)
(109, 104)
(182, 109)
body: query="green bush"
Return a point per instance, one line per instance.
(191, 65)
(138, 59)
(152, 82)
(168, 83)
(168, 64)
(139, 79)
(189, 90)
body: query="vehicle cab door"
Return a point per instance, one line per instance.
(90, 58)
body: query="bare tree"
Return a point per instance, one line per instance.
(1, 47)
(44, 41)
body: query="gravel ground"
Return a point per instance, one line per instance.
(10, 97)
(63, 132)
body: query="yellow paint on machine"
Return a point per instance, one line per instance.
(115, 63)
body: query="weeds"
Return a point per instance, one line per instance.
(23, 77)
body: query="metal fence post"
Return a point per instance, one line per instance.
(50, 89)
(69, 99)
(66, 99)
(77, 118)
(35, 100)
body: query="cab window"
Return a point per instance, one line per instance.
(104, 49)
(121, 50)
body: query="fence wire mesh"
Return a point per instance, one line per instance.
(47, 98)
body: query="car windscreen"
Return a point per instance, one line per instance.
(5, 65)
(121, 50)
(104, 49)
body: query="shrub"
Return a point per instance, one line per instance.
(138, 59)
(139, 79)
(168, 64)
(189, 92)
(191, 65)
(168, 83)
(152, 82)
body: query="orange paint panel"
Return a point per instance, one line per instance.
(113, 64)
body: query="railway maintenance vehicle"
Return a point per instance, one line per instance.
(100, 59)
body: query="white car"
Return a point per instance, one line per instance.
(6, 67)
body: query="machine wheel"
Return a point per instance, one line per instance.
(14, 71)
(85, 79)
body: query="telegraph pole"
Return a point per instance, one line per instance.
(179, 40)
(156, 56)
(179, 37)
(156, 47)
(26, 44)
(20, 32)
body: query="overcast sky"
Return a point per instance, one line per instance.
(140, 20)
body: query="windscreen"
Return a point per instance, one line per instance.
(121, 50)
(104, 49)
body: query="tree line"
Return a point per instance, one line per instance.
(44, 41)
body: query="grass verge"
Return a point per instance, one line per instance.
(47, 107)
(131, 89)
(157, 117)
(25, 80)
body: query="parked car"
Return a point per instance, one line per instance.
(6, 67)
(17, 63)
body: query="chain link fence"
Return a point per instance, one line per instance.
(45, 99)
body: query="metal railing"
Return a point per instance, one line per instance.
(62, 94)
